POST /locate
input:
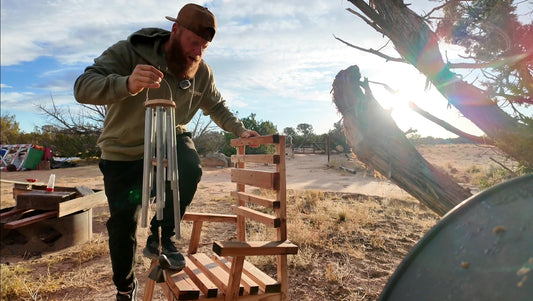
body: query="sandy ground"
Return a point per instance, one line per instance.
(304, 172)
(309, 171)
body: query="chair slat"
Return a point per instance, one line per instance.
(182, 286)
(203, 282)
(255, 199)
(267, 159)
(272, 139)
(257, 178)
(257, 216)
(266, 283)
(213, 271)
(250, 286)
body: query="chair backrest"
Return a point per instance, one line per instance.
(263, 171)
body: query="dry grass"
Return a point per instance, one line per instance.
(41, 278)
(349, 244)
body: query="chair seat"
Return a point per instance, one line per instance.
(205, 277)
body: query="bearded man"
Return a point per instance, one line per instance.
(120, 79)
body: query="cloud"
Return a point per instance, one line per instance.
(275, 58)
(61, 28)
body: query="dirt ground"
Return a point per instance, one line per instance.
(304, 172)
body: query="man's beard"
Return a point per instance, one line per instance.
(178, 62)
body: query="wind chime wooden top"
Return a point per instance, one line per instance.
(160, 102)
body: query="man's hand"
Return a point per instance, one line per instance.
(144, 77)
(248, 134)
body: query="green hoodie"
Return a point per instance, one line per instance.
(105, 83)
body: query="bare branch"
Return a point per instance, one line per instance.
(372, 24)
(503, 166)
(442, 6)
(55, 113)
(201, 124)
(449, 127)
(375, 52)
(100, 112)
(74, 122)
(368, 11)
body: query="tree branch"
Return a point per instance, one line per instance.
(375, 52)
(449, 127)
(372, 24)
(442, 6)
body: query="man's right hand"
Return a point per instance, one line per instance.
(144, 77)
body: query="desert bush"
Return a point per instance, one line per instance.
(497, 175)
(473, 169)
(18, 281)
(95, 248)
(13, 282)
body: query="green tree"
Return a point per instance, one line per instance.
(66, 144)
(492, 36)
(337, 139)
(261, 127)
(9, 129)
(306, 131)
(289, 131)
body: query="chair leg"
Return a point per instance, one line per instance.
(150, 283)
(235, 278)
(149, 290)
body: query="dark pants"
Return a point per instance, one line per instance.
(123, 188)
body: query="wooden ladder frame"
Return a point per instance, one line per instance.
(226, 275)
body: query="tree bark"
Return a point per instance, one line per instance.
(379, 143)
(418, 45)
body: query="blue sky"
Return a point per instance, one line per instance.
(276, 59)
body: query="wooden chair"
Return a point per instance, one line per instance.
(226, 275)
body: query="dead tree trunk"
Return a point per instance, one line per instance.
(418, 45)
(378, 142)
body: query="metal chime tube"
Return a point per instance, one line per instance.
(159, 176)
(174, 177)
(147, 166)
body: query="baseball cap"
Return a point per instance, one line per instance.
(197, 19)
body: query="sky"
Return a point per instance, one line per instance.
(276, 59)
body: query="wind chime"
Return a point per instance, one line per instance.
(160, 158)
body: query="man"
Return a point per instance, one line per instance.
(120, 78)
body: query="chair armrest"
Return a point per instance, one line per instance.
(254, 248)
(210, 217)
(198, 220)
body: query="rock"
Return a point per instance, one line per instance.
(215, 160)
